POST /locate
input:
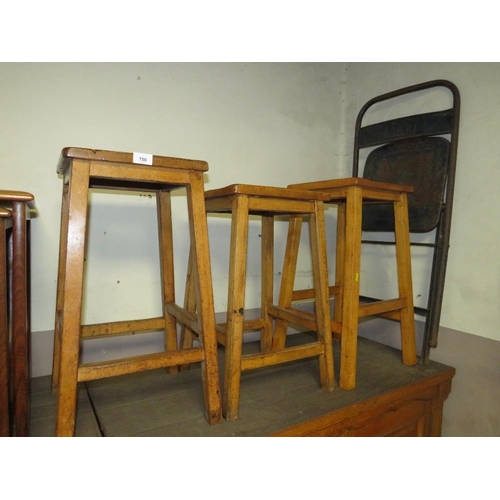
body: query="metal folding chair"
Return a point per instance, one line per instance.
(418, 150)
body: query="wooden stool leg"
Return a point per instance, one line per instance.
(73, 289)
(4, 337)
(186, 335)
(205, 301)
(322, 296)
(267, 282)
(164, 209)
(60, 286)
(235, 308)
(20, 341)
(339, 262)
(288, 277)
(350, 289)
(403, 257)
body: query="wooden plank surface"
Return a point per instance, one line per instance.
(273, 399)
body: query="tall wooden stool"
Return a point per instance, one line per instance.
(241, 201)
(86, 168)
(349, 195)
(14, 311)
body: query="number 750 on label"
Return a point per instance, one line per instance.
(143, 158)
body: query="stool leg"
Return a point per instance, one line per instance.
(186, 335)
(322, 296)
(20, 341)
(350, 289)
(288, 277)
(267, 283)
(4, 337)
(164, 210)
(72, 293)
(60, 286)
(403, 257)
(339, 262)
(204, 295)
(235, 308)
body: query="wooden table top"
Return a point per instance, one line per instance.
(272, 399)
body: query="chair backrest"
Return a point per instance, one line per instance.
(411, 150)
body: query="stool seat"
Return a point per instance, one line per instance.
(349, 195)
(257, 191)
(83, 169)
(241, 201)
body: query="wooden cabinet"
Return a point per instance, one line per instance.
(412, 410)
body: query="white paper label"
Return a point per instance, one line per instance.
(143, 158)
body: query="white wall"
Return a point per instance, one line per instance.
(261, 123)
(258, 123)
(472, 290)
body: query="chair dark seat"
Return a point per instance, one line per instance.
(424, 160)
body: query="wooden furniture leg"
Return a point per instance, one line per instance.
(267, 281)
(63, 242)
(405, 286)
(4, 329)
(339, 262)
(235, 308)
(350, 293)
(320, 273)
(165, 237)
(288, 278)
(72, 291)
(203, 279)
(187, 335)
(20, 340)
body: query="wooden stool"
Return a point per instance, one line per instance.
(86, 168)
(241, 201)
(14, 312)
(349, 195)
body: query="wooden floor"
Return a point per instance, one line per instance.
(281, 400)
